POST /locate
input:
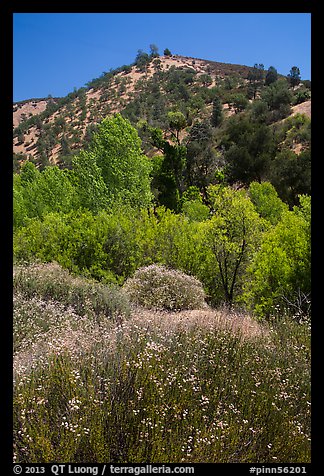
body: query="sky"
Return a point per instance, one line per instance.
(53, 53)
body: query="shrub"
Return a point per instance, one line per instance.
(157, 287)
(87, 297)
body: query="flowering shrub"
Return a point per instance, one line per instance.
(50, 281)
(157, 287)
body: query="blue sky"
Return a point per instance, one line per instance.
(53, 53)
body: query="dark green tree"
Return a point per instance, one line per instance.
(202, 160)
(249, 148)
(294, 76)
(255, 76)
(154, 51)
(217, 112)
(238, 101)
(291, 175)
(277, 94)
(142, 60)
(271, 76)
(169, 169)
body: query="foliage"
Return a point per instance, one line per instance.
(277, 94)
(282, 265)
(202, 160)
(291, 175)
(50, 282)
(255, 76)
(168, 173)
(88, 180)
(158, 287)
(238, 101)
(294, 76)
(217, 112)
(231, 236)
(266, 201)
(249, 148)
(271, 76)
(38, 193)
(192, 205)
(116, 148)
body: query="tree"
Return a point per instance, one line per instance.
(169, 169)
(238, 101)
(177, 122)
(205, 79)
(20, 211)
(142, 60)
(39, 193)
(277, 95)
(255, 76)
(202, 160)
(291, 175)
(282, 265)
(231, 236)
(116, 148)
(249, 148)
(217, 112)
(266, 201)
(28, 173)
(167, 52)
(154, 51)
(271, 76)
(294, 76)
(88, 180)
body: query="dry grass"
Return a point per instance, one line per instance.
(203, 319)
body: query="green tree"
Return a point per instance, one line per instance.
(231, 236)
(276, 95)
(217, 112)
(205, 79)
(177, 122)
(89, 183)
(282, 266)
(249, 148)
(28, 173)
(154, 51)
(20, 211)
(202, 161)
(291, 175)
(271, 76)
(40, 193)
(142, 60)
(266, 201)
(169, 169)
(192, 205)
(238, 101)
(294, 76)
(55, 190)
(255, 77)
(167, 52)
(116, 148)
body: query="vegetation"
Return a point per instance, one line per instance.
(157, 287)
(195, 386)
(162, 279)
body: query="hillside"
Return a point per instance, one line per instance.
(106, 97)
(50, 130)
